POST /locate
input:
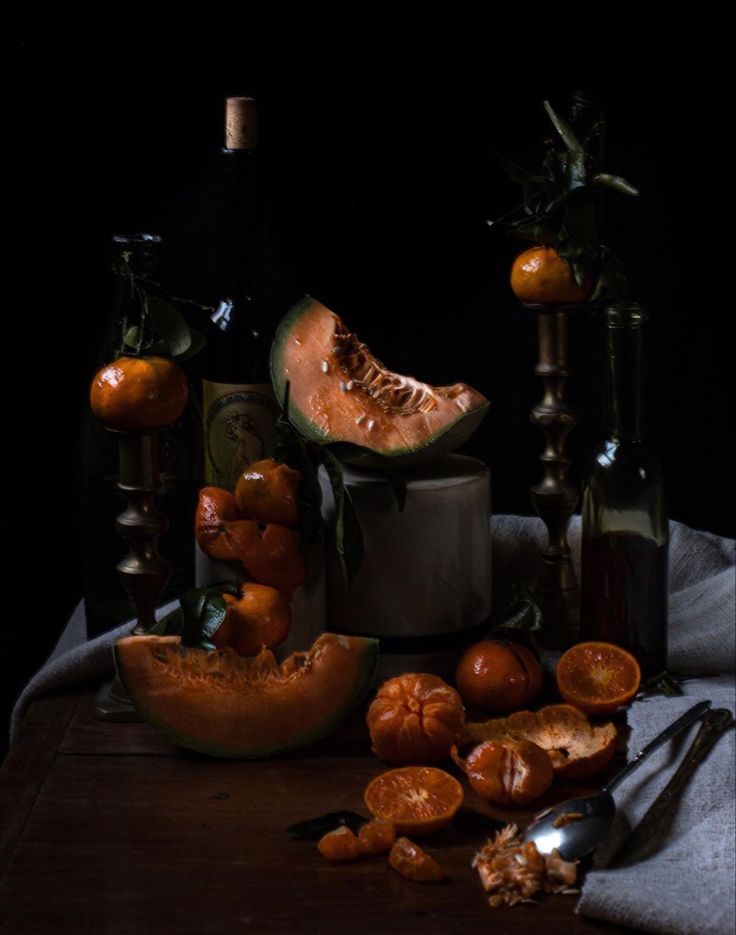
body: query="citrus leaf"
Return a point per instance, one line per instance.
(522, 612)
(663, 684)
(616, 182)
(203, 610)
(348, 533)
(291, 449)
(133, 338)
(515, 173)
(169, 625)
(197, 343)
(314, 828)
(170, 325)
(565, 131)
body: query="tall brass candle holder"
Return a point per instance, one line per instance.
(554, 498)
(143, 572)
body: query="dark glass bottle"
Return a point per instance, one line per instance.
(238, 404)
(625, 530)
(135, 260)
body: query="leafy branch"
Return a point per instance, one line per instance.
(561, 202)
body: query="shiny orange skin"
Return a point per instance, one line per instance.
(137, 393)
(376, 836)
(259, 618)
(408, 859)
(215, 524)
(266, 491)
(540, 276)
(415, 718)
(271, 554)
(598, 677)
(340, 844)
(415, 799)
(497, 676)
(276, 559)
(510, 773)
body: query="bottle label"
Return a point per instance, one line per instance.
(239, 428)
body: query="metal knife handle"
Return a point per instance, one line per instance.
(715, 724)
(693, 714)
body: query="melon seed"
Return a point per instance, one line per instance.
(325, 366)
(361, 419)
(371, 424)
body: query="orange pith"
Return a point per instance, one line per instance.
(598, 677)
(415, 799)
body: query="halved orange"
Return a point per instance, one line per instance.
(415, 799)
(598, 677)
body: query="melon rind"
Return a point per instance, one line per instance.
(451, 436)
(205, 716)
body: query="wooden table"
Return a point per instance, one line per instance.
(109, 828)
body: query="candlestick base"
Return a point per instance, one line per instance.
(112, 703)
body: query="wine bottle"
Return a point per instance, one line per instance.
(135, 262)
(239, 408)
(625, 530)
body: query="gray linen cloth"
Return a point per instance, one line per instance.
(687, 886)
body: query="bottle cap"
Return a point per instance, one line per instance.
(241, 124)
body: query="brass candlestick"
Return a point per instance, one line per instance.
(144, 572)
(554, 498)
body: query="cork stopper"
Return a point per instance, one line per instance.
(241, 124)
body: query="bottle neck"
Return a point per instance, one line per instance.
(625, 351)
(243, 223)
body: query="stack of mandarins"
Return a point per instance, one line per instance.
(255, 526)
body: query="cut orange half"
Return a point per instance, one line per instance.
(415, 799)
(598, 677)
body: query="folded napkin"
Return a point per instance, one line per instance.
(687, 886)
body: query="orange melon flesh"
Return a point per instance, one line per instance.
(221, 704)
(339, 392)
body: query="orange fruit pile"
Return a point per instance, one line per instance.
(230, 528)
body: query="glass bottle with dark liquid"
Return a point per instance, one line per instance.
(625, 531)
(238, 403)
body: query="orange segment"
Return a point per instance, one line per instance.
(415, 799)
(598, 677)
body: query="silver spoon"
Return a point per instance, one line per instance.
(576, 827)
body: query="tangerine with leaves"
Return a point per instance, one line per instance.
(540, 276)
(415, 718)
(139, 393)
(415, 799)
(494, 675)
(597, 677)
(257, 618)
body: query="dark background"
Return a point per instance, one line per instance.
(381, 177)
